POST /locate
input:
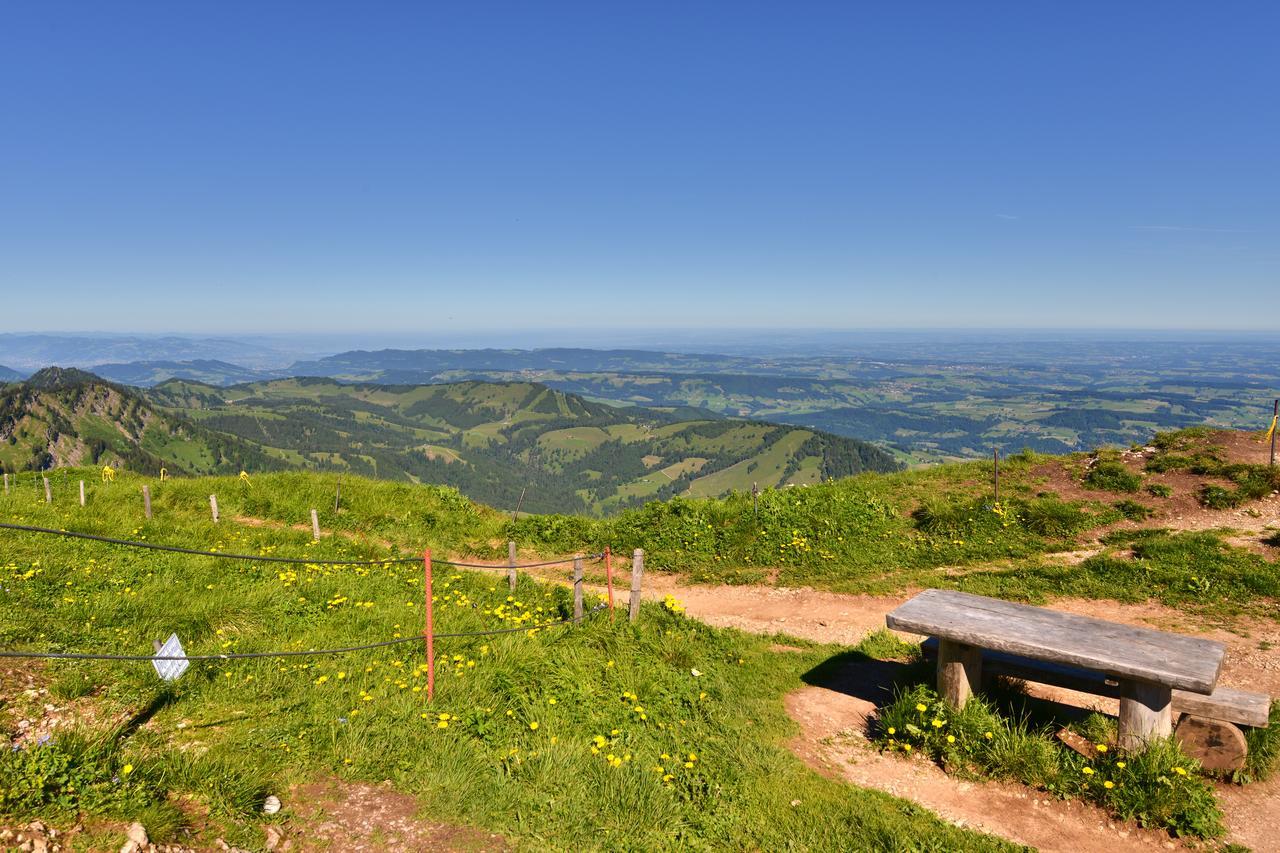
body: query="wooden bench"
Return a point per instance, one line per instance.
(1145, 665)
(1207, 727)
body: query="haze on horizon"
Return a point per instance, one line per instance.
(294, 168)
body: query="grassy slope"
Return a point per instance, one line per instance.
(229, 733)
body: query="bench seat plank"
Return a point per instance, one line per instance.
(1226, 704)
(1122, 651)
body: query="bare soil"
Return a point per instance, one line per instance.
(352, 817)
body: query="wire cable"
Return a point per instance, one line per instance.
(26, 528)
(415, 638)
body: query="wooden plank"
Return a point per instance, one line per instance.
(1146, 714)
(959, 672)
(1225, 703)
(1131, 653)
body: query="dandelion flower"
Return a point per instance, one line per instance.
(126, 770)
(1120, 764)
(534, 725)
(1088, 771)
(951, 738)
(920, 706)
(989, 735)
(1181, 771)
(1102, 747)
(1108, 784)
(892, 730)
(443, 724)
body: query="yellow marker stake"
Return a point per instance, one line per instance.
(1271, 430)
(244, 478)
(163, 473)
(108, 474)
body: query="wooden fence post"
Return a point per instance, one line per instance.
(608, 574)
(637, 574)
(511, 565)
(577, 587)
(430, 626)
(48, 494)
(146, 501)
(337, 497)
(213, 507)
(995, 472)
(315, 526)
(1275, 416)
(82, 493)
(6, 483)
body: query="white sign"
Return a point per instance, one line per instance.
(169, 670)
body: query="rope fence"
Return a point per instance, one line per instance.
(568, 620)
(177, 549)
(428, 636)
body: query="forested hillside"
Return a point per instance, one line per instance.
(65, 417)
(500, 441)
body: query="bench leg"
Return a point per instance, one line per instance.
(959, 672)
(1146, 714)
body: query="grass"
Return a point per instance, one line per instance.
(662, 734)
(1108, 474)
(1158, 787)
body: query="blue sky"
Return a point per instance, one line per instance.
(420, 168)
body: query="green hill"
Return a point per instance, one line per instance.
(62, 417)
(499, 441)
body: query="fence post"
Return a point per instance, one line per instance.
(608, 574)
(48, 494)
(430, 626)
(995, 470)
(577, 587)
(315, 526)
(6, 483)
(337, 496)
(82, 493)
(146, 501)
(637, 574)
(213, 507)
(1275, 417)
(511, 565)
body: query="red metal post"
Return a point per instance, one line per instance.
(608, 573)
(430, 627)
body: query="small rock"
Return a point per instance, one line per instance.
(23, 725)
(271, 805)
(274, 836)
(137, 833)
(39, 845)
(130, 847)
(36, 826)
(221, 845)
(26, 847)
(795, 803)
(6, 834)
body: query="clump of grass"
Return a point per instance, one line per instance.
(883, 644)
(1110, 475)
(1159, 490)
(1133, 510)
(1216, 497)
(1264, 750)
(1158, 786)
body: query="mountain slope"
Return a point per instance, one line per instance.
(68, 417)
(8, 374)
(147, 373)
(515, 443)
